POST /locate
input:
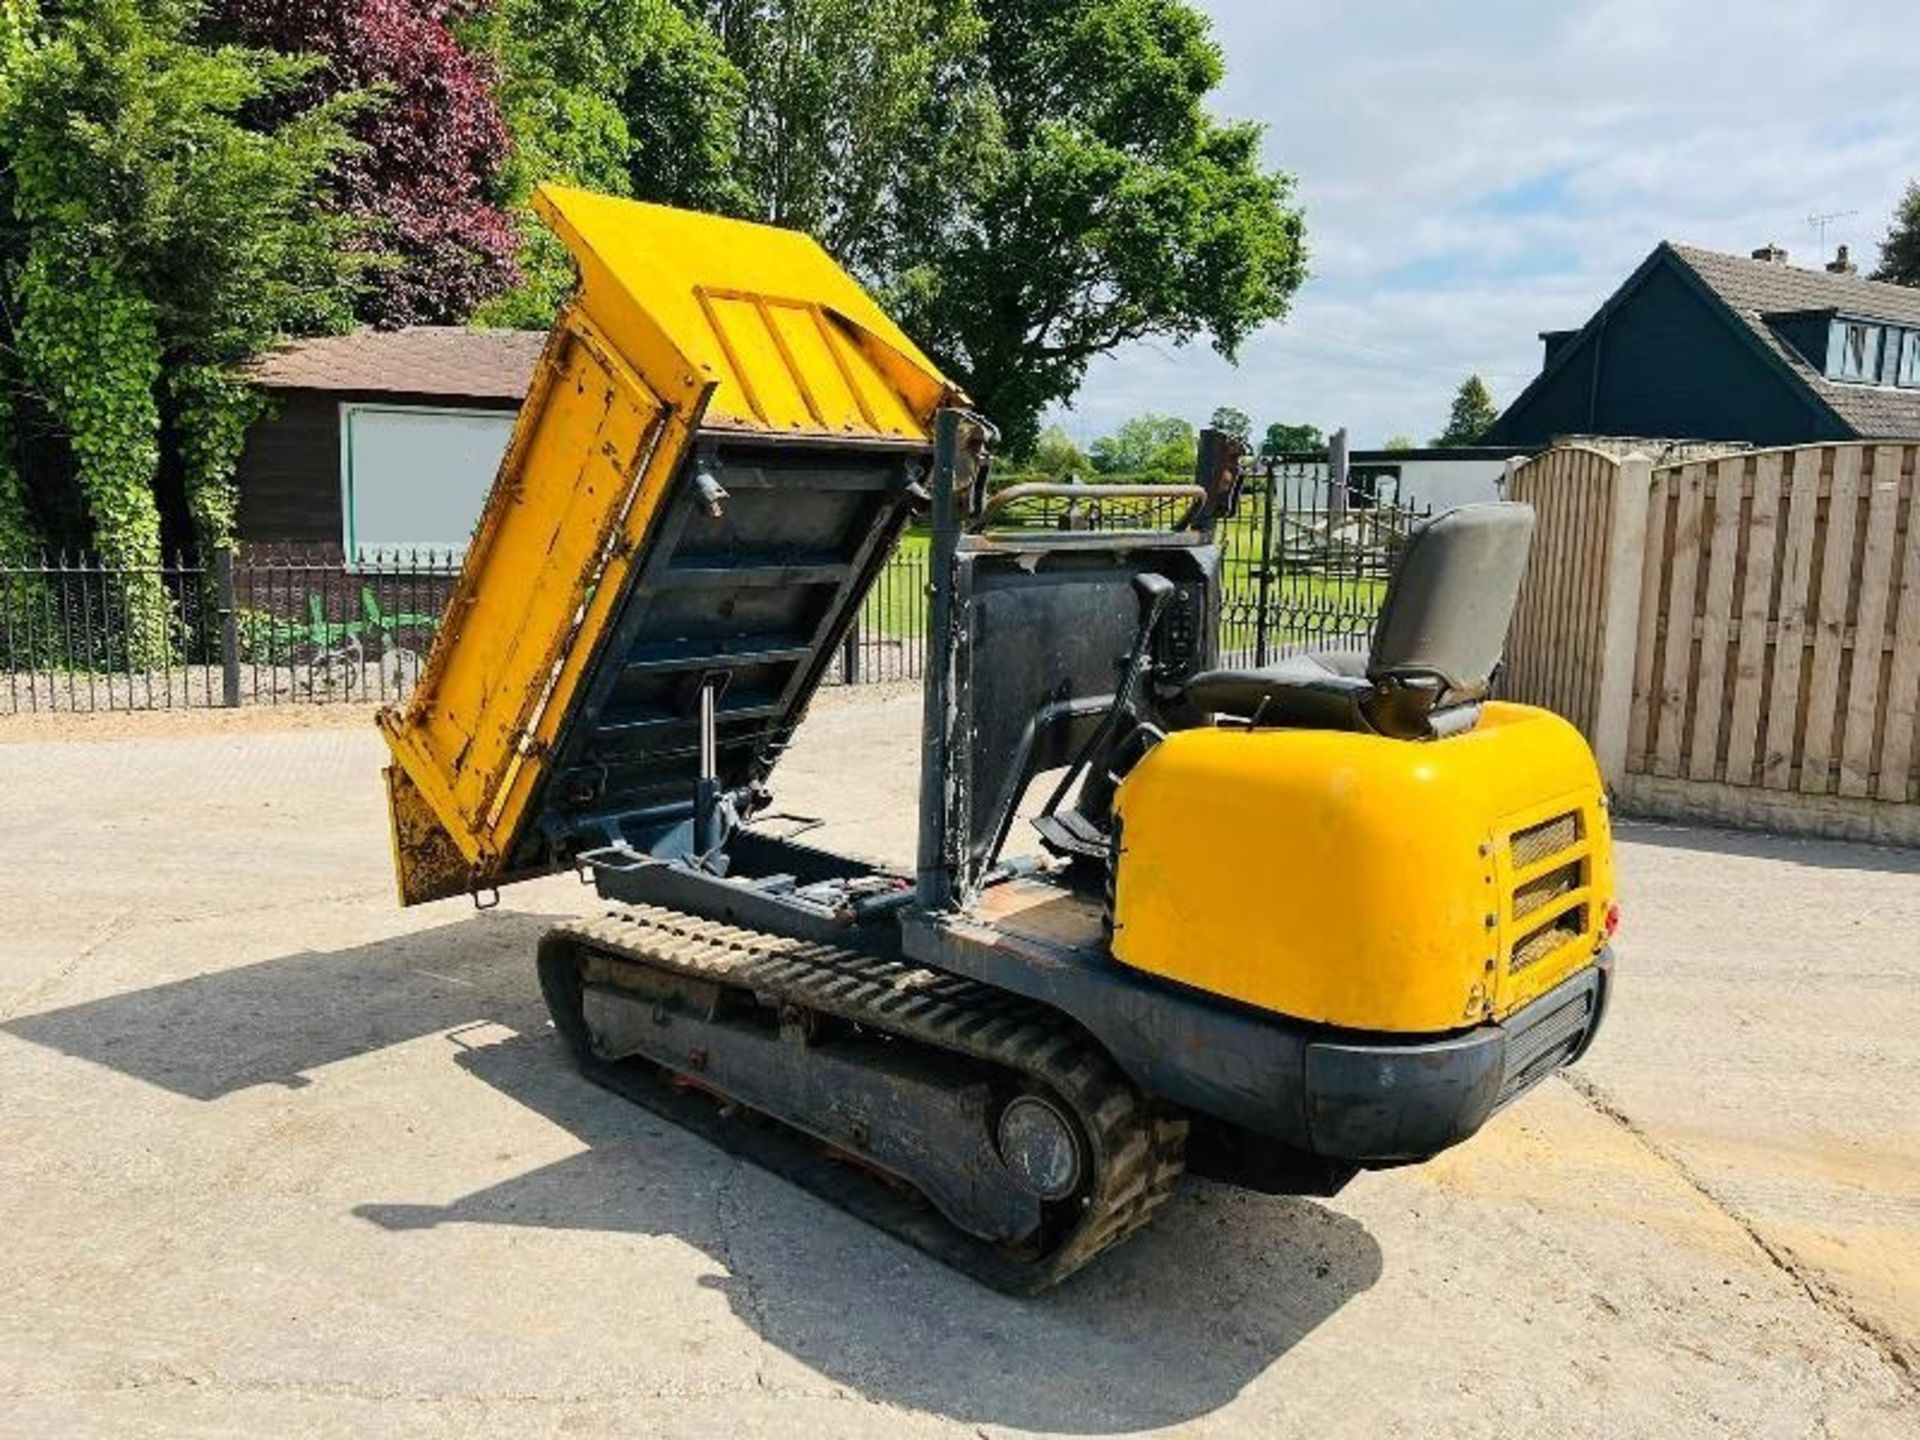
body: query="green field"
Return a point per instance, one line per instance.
(1301, 604)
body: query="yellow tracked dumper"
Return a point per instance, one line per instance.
(1282, 925)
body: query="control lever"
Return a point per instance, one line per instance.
(1151, 591)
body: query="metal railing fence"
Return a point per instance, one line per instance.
(1304, 565)
(268, 625)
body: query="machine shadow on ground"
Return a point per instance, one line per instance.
(1169, 1327)
(273, 1022)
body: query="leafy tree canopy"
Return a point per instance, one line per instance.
(1282, 439)
(1027, 183)
(1099, 202)
(432, 147)
(161, 224)
(1236, 423)
(1472, 416)
(131, 143)
(621, 96)
(1399, 442)
(1055, 456)
(851, 109)
(1900, 251)
(683, 100)
(1147, 444)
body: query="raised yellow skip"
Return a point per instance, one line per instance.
(683, 324)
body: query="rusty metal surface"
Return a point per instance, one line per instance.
(427, 864)
(1040, 910)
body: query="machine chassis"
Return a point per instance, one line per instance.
(1282, 1105)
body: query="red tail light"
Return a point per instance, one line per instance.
(1611, 921)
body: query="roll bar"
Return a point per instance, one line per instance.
(1058, 490)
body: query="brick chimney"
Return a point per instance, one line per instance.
(1771, 253)
(1842, 263)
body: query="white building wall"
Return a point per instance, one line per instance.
(1443, 484)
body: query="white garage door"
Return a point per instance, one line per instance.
(414, 479)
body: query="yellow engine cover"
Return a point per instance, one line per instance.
(1368, 883)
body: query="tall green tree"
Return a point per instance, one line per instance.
(1055, 456)
(1283, 439)
(1472, 415)
(1102, 204)
(431, 144)
(684, 102)
(1230, 421)
(628, 97)
(19, 534)
(852, 107)
(1147, 444)
(161, 233)
(1027, 183)
(1900, 251)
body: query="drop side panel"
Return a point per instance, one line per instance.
(578, 489)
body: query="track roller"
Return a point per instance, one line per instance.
(983, 1128)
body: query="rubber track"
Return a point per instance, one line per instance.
(1137, 1147)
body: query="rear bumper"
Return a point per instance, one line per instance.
(1383, 1101)
(1269, 1088)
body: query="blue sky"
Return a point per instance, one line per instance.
(1474, 174)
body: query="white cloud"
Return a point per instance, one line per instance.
(1474, 174)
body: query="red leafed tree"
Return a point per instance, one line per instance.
(434, 141)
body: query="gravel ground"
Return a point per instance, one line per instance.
(277, 1156)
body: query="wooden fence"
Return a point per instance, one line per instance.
(1562, 652)
(1739, 635)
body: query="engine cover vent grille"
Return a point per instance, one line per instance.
(1549, 837)
(1547, 905)
(1564, 929)
(1546, 889)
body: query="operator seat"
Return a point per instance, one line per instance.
(1441, 632)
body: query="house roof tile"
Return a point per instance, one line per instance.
(1753, 289)
(443, 360)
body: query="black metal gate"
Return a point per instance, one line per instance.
(1305, 563)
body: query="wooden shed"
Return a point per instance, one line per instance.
(382, 440)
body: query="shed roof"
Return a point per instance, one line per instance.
(446, 360)
(1753, 289)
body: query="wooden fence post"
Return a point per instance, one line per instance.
(1626, 558)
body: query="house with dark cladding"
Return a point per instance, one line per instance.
(1697, 345)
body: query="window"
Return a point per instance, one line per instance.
(414, 479)
(1888, 372)
(1856, 351)
(1909, 373)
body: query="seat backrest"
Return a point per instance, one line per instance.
(1452, 597)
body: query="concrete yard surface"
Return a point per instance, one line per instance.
(278, 1157)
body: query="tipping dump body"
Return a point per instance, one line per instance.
(608, 580)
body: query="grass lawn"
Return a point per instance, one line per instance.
(896, 606)
(1302, 605)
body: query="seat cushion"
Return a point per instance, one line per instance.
(1319, 691)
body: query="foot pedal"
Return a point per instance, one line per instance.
(1068, 832)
